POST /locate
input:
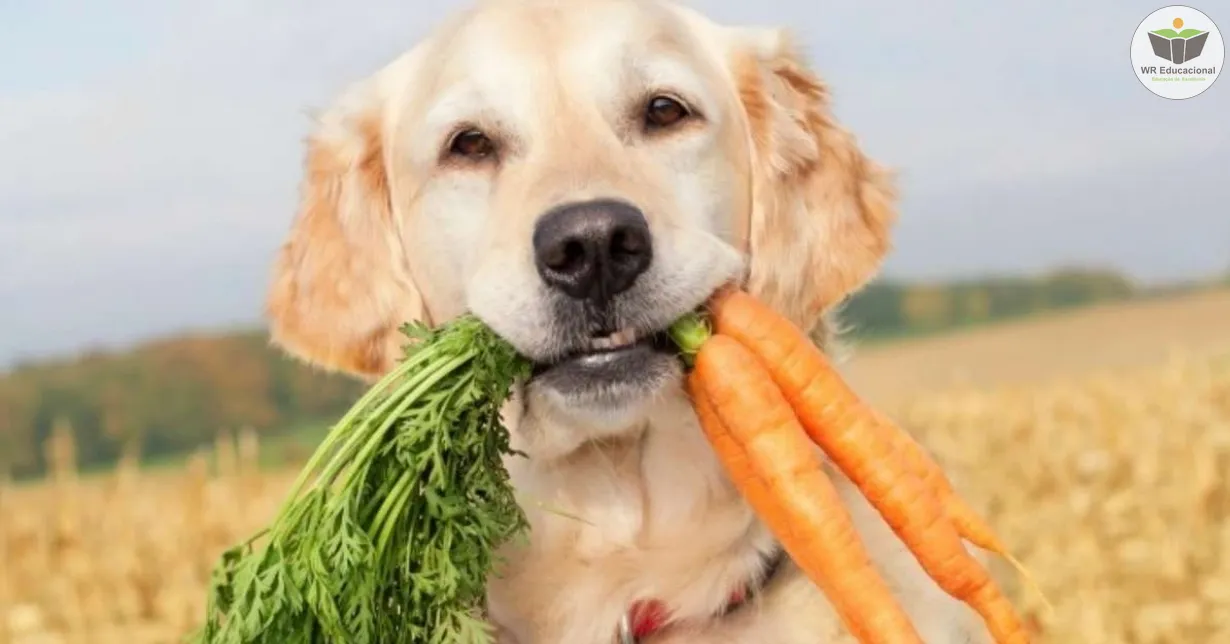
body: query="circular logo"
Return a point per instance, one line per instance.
(1177, 52)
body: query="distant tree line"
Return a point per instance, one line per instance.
(175, 394)
(890, 308)
(163, 397)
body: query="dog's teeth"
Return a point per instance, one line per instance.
(621, 338)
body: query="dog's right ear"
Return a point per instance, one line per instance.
(341, 287)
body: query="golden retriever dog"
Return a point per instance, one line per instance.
(578, 173)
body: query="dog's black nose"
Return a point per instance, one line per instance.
(594, 249)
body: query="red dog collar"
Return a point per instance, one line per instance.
(650, 616)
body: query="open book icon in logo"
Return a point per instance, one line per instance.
(1178, 47)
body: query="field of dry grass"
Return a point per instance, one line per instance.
(125, 557)
(1098, 443)
(1053, 346)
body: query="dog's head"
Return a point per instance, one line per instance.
(577, 174)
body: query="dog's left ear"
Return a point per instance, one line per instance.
(821, 210)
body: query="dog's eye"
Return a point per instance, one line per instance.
(472, 144)
(663, 112)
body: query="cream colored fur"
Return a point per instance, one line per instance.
(766, 189)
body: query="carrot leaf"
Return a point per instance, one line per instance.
(391, 531)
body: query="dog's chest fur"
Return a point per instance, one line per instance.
(635, 516)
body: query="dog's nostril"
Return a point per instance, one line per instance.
(563, 256)
(574, 253)
(624, 243)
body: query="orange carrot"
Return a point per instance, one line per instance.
(758, 440)
(893, 473)
(963, 517)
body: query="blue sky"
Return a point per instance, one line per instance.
(149, 152)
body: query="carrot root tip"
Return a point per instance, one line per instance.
(1031, 582)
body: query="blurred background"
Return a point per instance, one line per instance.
(1054, 321)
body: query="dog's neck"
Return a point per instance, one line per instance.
(648, 513)
(640, 482)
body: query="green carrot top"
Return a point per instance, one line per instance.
(391, 531)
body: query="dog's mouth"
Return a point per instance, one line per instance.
(609, 352)
(612, 368)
